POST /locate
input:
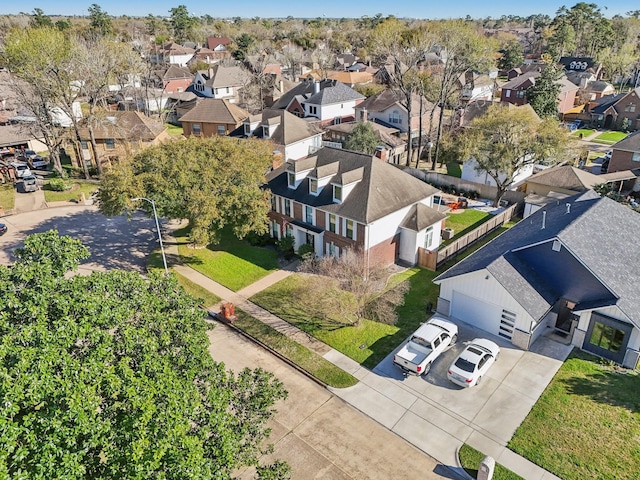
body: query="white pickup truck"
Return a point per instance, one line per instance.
(425, 345)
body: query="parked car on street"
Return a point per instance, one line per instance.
(473, 362)
(425, 345)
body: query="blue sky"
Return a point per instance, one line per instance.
(315, 8)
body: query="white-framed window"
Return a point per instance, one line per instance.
(110, 143)
(520, 94)
(428, 238)
(84, 145)
(333, 250)
(265, 131)
(635, 157)
(196, 129)
(199, 87)
(350, 231)
(337, 120)
(313, 110)
(274, 203)
(507, 93)
(630, 108)
(313, 186)
(247, 129)
(275, 228)
(337, 193)
(394, 117)
(222, 130)
(291, 179)
(308, 214)
(287, 207)
(215, 91)
(228, 90)
(333, 221)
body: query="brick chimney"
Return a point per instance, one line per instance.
(381, 153)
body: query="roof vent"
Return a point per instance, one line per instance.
(556, 246)
(568, 205)
(544, 219)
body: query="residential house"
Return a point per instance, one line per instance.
(213, 117)
(345, 60)
(173, 79)
(117, 135)
(338, 200)
(294, 137)
(171, 53)
(568, 269)
(476, 86)
(218, 44)
(391, 148)
(328, 101)
(612, 111)
(555, 184)
(524, 69)
(221, 82)
(208, 56)
(625, 155)
(580, 64)
(515, 90)
(388, 108)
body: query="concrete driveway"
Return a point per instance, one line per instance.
(114, 242)
(319, 435)
(437, 416)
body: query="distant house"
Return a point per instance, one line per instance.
(174, 79)
(119, 134)
(206, 55)
(213, 117)
(328, 101)
(610, 111)
(391, 148)
(218, 44)
(387, 108)
(221, 82)
(477, 86)
(171, 53)
(569, 268)
(515, 91)
(580, 64)
(337, 200)
(294, 137)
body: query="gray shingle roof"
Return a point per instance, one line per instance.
(631, 143)
(290, 129)
(566, 176)
(383, 189)
(336, 93)
(600, 233)
(420, 217)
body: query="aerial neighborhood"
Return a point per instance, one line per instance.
(263, 247)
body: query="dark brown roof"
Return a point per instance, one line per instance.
(215, 110)
(125, 125)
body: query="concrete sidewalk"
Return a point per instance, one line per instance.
(415, 417)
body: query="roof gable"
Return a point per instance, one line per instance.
(215, 110)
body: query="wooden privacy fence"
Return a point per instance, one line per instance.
(433, 259)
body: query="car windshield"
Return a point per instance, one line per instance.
(465, 365)
(421, 341)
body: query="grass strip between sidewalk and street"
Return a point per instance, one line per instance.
(301, 356)
(204, 296)
(7, 197)
(470, 459)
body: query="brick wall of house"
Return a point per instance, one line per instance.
(621, 160)
(385, 252)
(207, 129)
(297, 211)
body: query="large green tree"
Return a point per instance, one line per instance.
(213, 182)
(182, 23)
(109, 376)
(363, 138)
(543, 94)
(506, 139)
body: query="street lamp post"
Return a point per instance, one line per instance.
(155, 215)
(429, 147)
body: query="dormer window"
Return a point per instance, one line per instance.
(291, 179)
(265, 131)
(313, 186)
(247, 129)
(337, 193)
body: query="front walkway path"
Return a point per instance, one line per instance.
(376, 395)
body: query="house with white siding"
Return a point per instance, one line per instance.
(221, 82)
(339, 200)
(570, 269)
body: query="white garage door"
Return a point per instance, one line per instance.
(476, 312)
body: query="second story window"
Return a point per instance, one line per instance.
(313, 110)
(287, 207)
(308, 214)
(394, 117)
(313, 186)
(350, 232)
(247, 129)
(332, 223)
(274, 203)
(337, 193)
(291, 179)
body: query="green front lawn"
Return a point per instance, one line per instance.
(173, 129)
(465, 221)
(367, 343)
(586, 424)
(74, 194)
(470, 459)
(584, 131)
(610, 138)
(233, 263)
(205, 297)
(454, 169)
(304, 358)
(7, 197)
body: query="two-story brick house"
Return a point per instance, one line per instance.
(213, 117)
(339, 200)
(611, 111)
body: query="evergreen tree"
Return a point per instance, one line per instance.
(543, 95)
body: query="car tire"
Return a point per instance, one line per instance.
(497, 356)
(454, 339)
(427, 367)
(478, 381)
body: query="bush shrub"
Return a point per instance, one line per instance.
(59, 185)
(285, 245)
(259, 239)
(306, 250)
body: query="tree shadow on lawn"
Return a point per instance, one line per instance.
(615, 388)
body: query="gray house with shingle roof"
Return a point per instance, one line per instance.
(339, 200)
(221, 82)
(328, 101)
(570, 268)
(293, 137)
